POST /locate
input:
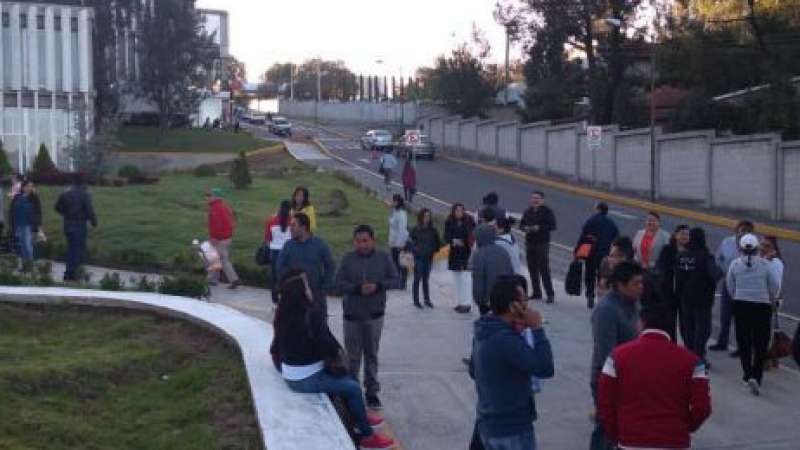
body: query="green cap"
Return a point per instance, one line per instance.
(217, 192)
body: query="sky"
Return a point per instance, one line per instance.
(403, 34)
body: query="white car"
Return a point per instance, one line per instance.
(377, 139)
(280, 126)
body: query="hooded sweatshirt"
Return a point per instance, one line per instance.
(696, 273)
(751, 279)
(509, 244)
(489, 261)
(502, 366)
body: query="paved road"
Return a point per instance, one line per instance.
(451, 181)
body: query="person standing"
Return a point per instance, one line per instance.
(409, 180)
(508, 242)
(303, 342)
(653, 393)
(503, 365)
(621, 250)
(425, 242)
(311, 254)
(648, 243)
(491, 202)
(398, 235)
(538, 222)
(665, 273)
(26, 218)
(599, 231)
(753, 285)
(696, 278)
(614, 322)
(277, 234)
(489, 261)
(75, 207)
(386, 166)
(459, 231)
(301, 203)
(221, 226)
(364, 276)
(770, 251)
(727, 252)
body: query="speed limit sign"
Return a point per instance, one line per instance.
(412, 137)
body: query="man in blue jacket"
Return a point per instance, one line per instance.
(502, 366)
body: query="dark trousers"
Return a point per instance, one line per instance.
(422, 273)
(273, 270)
(362, 340)
(538, 256)
(401, 270)
(753, 330)
(409, 194)
(76, 249)
(322, 300)
(725, 317)
(696, 325)
(590, 274)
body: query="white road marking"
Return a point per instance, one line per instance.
(622, 215)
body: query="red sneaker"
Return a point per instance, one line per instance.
(374, 419)
(376, 441)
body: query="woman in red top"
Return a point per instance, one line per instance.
(648, 243)
(409, 180)
(220, 232)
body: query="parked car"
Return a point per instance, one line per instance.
(258, 118)
(424, 148)
(280, 126)
(377, 139)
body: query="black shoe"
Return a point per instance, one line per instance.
(428, 304)
(590, 302)
(551, 299)
(418, 305)
(535, 297)
(373, 402)
(718, 348)
(466, 361)
(735, 354)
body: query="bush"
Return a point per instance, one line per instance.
(43, 274)
(51, 178)
(5, 166)
(205, 170)
(240, 172)
(253, 275)
(43, 163)
(111, 282)
(184, 286)
(9, 278)
(129, 171)
(133, 258)
(145, 285)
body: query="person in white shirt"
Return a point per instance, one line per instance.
(277, 234)
(398, 235)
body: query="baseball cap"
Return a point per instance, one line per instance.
(748, 242)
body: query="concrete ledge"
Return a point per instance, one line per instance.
(287, 420)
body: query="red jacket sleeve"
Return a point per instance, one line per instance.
(607, 389)
(700, 403)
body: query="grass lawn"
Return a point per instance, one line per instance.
(148, 227)
(187, 140)
(99, 379)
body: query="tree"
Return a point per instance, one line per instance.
(336, 80)
(462, 82)
(240, 172)
(175, 53)
(5, 166)
(43, 163)
(89, 151)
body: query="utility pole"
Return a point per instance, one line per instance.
(508, 51)
(319, 94)
(291, 81)
(652, 123)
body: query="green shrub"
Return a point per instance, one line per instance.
(133, 258)
(145, 285)
(43, 274)
(111, 282)
(129, 171)
(5, 166)
(184, 286)
(253, 275)
(205, 170)
(43, 163)
(187, 261)
(240, 172)
(9, 278)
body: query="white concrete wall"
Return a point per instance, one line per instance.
(743, 172)
(360, 112)
(683, 165)
(534, 145)
(791, 180)
(633, 160)
(508, 148)
(435, 133)
(562, 142)
(486, 139)
(451, 135)
(468, 130)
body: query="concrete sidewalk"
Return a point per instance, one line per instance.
(429, 399)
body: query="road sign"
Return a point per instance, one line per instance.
(594, 137)
(412, 137)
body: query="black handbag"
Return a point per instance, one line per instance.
(263, 255)
(573, 282)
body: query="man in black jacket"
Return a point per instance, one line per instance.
(364, 276)
(75, 206)
(600, 232)
(537, 223)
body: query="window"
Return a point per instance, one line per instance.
(57, 23)
(40, 22)
(6, 20)
(23, 21)
(73, 24)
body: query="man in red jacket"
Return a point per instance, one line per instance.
(652, 393)
(220, 233)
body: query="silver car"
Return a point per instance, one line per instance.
(423, 149)
(377, 139)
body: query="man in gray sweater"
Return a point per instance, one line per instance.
(489, 261)
(364, 276)
(614, 321)
(310, 253)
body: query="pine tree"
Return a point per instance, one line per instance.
(5, 166)
(240, 172)
(43, 163)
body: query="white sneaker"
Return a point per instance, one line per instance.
(755, 388)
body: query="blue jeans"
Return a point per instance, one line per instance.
(273, 264)
(24, 237)
(345, 387)
(76, 248)
(422, 272)
(522, 441)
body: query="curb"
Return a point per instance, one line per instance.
(782, 233)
